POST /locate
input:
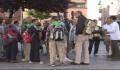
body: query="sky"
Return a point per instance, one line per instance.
(93, 9)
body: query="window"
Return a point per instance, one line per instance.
(77, 5)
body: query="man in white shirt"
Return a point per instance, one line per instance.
(113, 30)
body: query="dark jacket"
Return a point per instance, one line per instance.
(67, 24)
(80, 24)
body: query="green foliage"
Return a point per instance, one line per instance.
(38, 14)
(47, 5)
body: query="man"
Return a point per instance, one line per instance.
(114, 36)
(82, 43)
(57, 41)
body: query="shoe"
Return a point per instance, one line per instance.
(13, 61)
(81, 63)
(73, 63)
(52, 65)
(67, 60)
(23, 60)
(84, 63)
(30, 62)
(41, 62)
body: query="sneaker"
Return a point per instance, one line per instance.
(84, 63)
(23, 60)
(13, 61)
(41, 62)
(30, 62)
(52, 65)
(67, 60)
(73, 63)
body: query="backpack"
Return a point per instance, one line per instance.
(26, 37)
(10, 36)
(58, 32)
(89, 27)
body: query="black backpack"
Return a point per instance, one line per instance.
(58, 34)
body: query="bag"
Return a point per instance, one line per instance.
(89, 27)
(26, 37)
(9, 37)
(58, 34)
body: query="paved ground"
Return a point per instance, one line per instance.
(99, 62)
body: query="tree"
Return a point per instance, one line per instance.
(38, 14)
(39, 5)
(10, 5)
(47, 5)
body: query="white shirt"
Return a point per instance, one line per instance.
(113, 30)
(106, 27)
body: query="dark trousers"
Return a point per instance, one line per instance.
(115, 48)
(95, 41)
(11, 51)
(35, 53)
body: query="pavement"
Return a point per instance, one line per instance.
(99, 62)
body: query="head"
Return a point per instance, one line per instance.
(29, 19)
(111, 19)
(36, 22)
(55, 18)
(95, 21)
(78, 13)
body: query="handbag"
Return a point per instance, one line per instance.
(26, 37)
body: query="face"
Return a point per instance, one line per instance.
(3, 21)
(109, 21)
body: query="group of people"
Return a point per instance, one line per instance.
(59, 38)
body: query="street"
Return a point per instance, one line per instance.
(99, 62)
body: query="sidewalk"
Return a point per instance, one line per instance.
(99, 62)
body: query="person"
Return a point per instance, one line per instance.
(56, 41)
(27, 23)
(67, 25)
(11, 41)
(95, 39)
(1, 36)
(72, 40)
(44, 37)
(106, 38)
(114, 36)
(82, 43)
(36, 34)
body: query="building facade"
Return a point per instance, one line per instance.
(108, 7)
(77, 5)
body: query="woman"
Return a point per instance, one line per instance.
(35, 33)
